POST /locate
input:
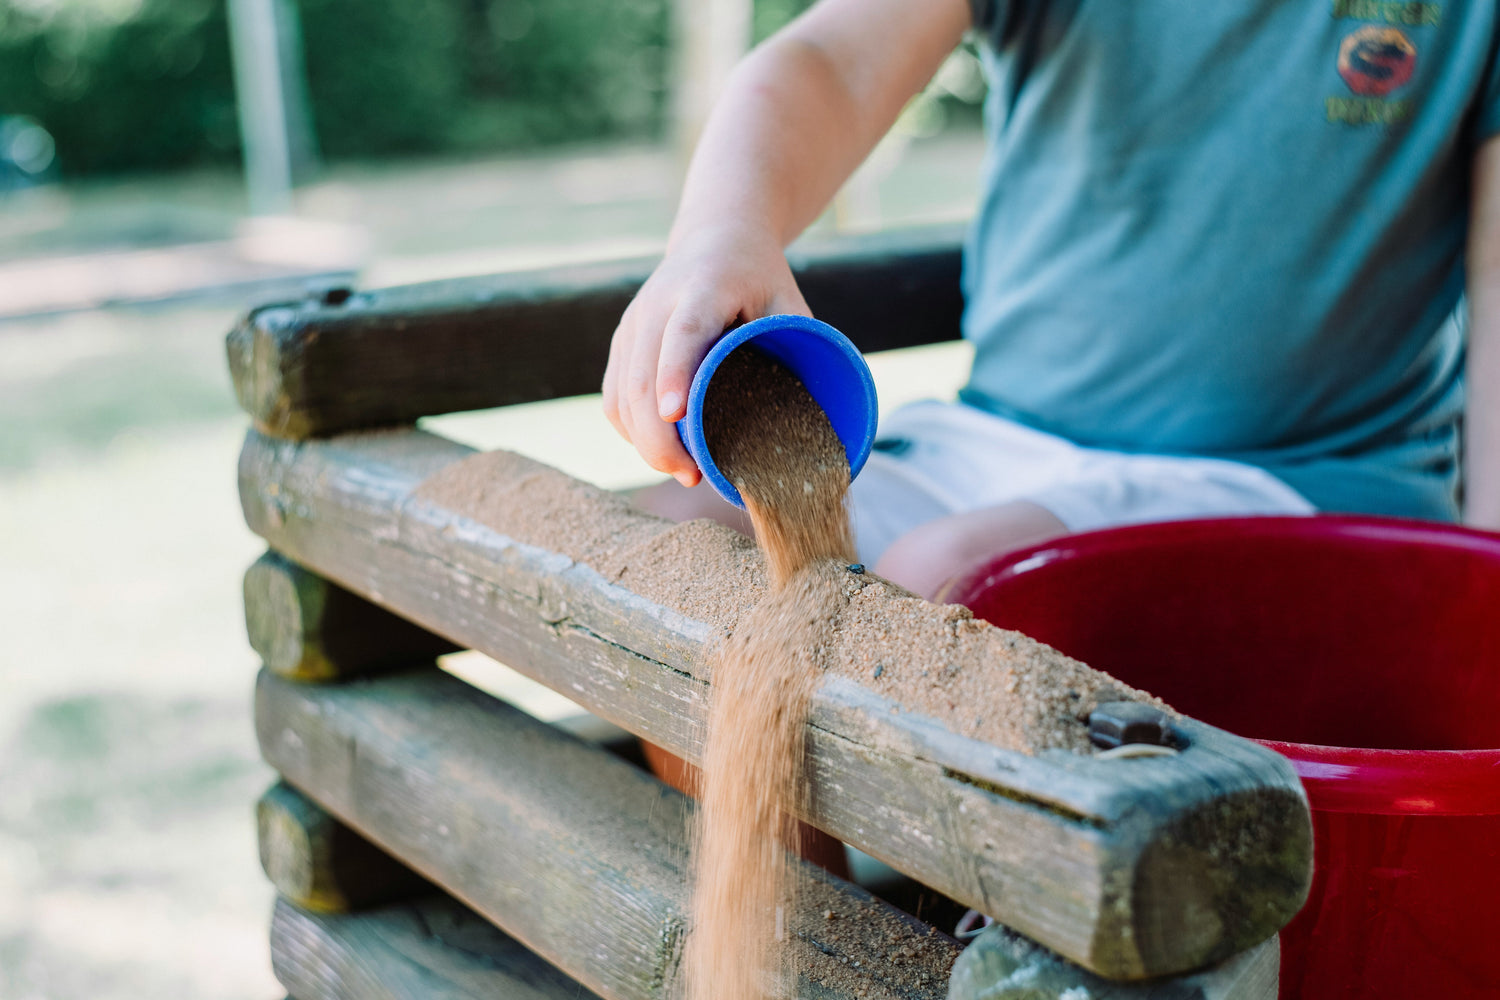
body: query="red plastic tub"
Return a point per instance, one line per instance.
(1366, 650)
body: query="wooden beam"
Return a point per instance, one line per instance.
(429, 949)
(576, 853)
(437, 949)
(389, 357)
(582, 856)
(1001, 965)
(319, 863)
(306, 628)
(1130, 867)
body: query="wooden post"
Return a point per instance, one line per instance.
(582, 856)
(437, 949)
(319, 863)
(1130, 867)
(429, 949)
(1001, 965)
(577, 854)
(308, 629)
(390, 357)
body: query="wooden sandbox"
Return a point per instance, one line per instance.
(430, 840)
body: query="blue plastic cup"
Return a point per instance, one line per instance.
(829, 365)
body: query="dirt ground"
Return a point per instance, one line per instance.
(128, 770)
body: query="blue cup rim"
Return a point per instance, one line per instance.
(690, 427)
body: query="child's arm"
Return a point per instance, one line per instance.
(1482, 414)
(798, 115)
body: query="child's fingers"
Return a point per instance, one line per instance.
(654, 438)
(697, 322)
(642, 317)
(659, 445)
(619, 347)
(790, 300)
(621, 384)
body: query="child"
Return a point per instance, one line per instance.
(1218, 266)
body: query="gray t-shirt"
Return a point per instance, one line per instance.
(1235, 229)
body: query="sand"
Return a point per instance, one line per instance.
(787, 615)
(979, 681)
(775, 444)
(914, 960)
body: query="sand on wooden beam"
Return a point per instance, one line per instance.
(583, 857)
(307, 628)
(1131, 868)
(389, 357)
(319, 863)
(431, 948)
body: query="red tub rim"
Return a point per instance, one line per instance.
(1338, 779)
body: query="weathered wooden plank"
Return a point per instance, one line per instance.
(1001, 965)
(392, 356)
(437, 949)
(306, 628)
(574, 852)
(1129, 867)
(433, 948)
(319, 863)
(582, 856)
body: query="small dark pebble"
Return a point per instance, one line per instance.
(879, 669)
(856, 567)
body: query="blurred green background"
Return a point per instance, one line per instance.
(145, 85)
(435, 138)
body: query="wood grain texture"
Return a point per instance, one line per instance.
(307, 628)
(582, 856)
(433, 948)
(1131, 868)
(573, 852)
(319, 863)
(390, 357)
(1001, 965)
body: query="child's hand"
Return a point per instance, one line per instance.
(709, 280)
(794, 120)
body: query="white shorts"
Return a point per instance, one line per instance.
(933, 459)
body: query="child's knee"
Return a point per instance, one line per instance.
(675, 502)
(927, 557)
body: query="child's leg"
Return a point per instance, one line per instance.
(676, 502)
(954, 487)
(928, 556)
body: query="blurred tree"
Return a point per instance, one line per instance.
(772, 14)
(384, 76)
(543, 71)
(121, 86)
(147, 84)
